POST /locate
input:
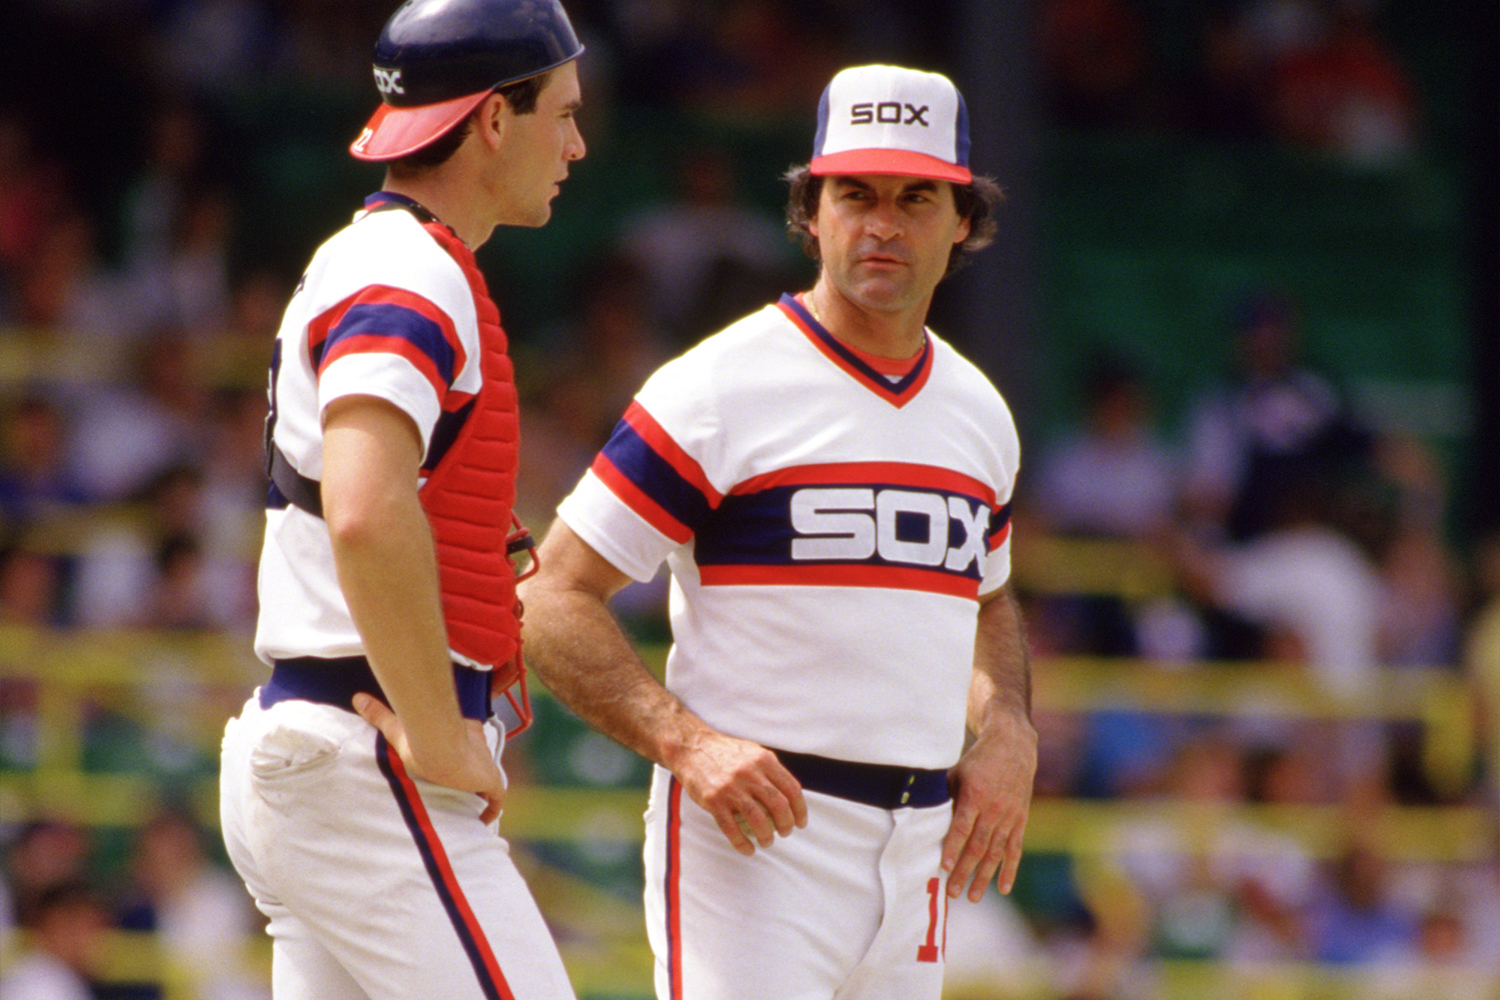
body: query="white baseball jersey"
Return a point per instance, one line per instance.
(378, 885)
(383, 311)
(829, 532)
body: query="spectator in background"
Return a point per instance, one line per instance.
(1421, 581)
(35, 481)
(178, 598)
(175, 225)
(126, 435)
(1273, 422)
(257, 293)
(1311, 589)
(1313, 595)
(41, 855)
(33, 191)
(1355, 920)
(65, 924)
(1346, 94)
(1274, 876)
(681, 243)
(231, 505)
(29, 587)
(155, 571)
(172, 165)
(576, 393)
(200, 913)
(1437, 964)
(194, 279)
(64, 290)
(1114, 477)
(1096, 64)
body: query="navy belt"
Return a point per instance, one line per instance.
(336, 680)
(884, 785)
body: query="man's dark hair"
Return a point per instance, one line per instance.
(976, 202)
(521, 96)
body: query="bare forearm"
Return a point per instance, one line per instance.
(1000, 692)
(993, 778)
(578, 651)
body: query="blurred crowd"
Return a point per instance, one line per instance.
(1317, 75)
(1294, 536)
(135, 327)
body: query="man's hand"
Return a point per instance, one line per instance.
(744, 787)
(470, 767)
(991, 786)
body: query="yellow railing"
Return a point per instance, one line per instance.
(1053, 564)
(189, 683)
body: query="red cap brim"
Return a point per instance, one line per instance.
(890, 161)
(393, 132)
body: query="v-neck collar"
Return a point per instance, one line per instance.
(385, 200)
(897, 393)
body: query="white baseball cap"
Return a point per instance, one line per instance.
(892, 120)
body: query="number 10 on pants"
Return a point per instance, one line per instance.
(931, 949)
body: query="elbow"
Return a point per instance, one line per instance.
(355, 525)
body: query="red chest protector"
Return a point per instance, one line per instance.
(469, 499)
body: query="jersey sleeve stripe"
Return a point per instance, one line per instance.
(623, 487)
(382, 311)
(999, 527)
(661, 442)
(864, 473)
(841, 575)
(639, 453)
(373, 344)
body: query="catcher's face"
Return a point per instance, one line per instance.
(885, 240)
(535, 151)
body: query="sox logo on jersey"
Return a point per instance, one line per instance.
(859, 523)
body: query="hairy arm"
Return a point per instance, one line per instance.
(387, 570)
(992, 781)
(578, 650)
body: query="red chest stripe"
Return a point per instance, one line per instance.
(841, 575)
(890, 473)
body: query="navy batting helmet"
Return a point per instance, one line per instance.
(437, 59)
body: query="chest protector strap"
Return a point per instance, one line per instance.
(469, 499)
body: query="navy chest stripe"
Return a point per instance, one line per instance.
(870, 525)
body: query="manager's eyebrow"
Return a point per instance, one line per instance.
(915, 184)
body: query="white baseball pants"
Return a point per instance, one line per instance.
(850, 908)
(377, 886)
